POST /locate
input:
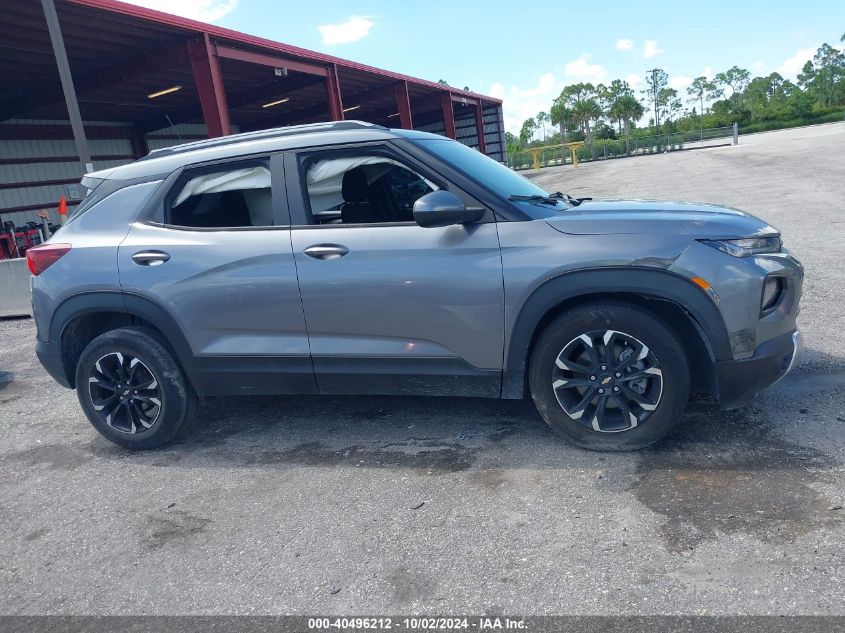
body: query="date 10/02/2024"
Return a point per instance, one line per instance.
(418, 623)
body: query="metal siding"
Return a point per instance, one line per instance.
(47, 195)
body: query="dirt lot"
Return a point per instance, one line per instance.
(397, 505)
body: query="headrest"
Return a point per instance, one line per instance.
(354, 188)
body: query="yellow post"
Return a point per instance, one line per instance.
(536, 154)
(574, 150)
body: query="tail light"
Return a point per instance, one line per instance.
(40, 258)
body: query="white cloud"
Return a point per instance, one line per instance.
(679, 82)
(582, 70)
(624, 44)
(355, 28)
(708, 72)
(634, 80)
(651, 49)
(792, 66)
(521, 103)
(201, 10)
(758, 66)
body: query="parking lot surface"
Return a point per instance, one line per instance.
(412, 505)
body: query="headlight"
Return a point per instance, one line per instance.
(748, 246)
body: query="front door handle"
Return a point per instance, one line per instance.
(150, 258)
(326, 251)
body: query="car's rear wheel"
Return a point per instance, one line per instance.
(609, 376)
(132, 389)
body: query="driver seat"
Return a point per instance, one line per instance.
(356, 207)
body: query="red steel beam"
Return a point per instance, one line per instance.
(209, 81)
(270, 60)
(465, 100)
(403, 101)
(218, 33)
(448, 114)
(479, 128)
(334, 96)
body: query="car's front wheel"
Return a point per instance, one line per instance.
(132, 389)
(609, 376)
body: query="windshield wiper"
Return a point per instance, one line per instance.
(559, 195)
(535, 198)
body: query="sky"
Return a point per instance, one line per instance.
(525, 54)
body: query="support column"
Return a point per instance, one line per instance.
(448, 114)
(209, 81)
(403, 103)
(479, 128)
(333, 94)
(67, 85)
(139, 142)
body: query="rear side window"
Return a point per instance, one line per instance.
(234, 195)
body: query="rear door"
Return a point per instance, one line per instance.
(215, 254)
(392, 307)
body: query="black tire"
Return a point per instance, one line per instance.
(155, 366)
(628, 322)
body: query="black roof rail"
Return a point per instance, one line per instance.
(262, 134)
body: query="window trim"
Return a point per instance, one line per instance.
(299, 202)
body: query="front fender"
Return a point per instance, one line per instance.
(646, 282)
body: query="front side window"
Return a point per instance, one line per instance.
(234, 196)
(362, 189)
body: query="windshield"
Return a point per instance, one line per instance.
(494, 176)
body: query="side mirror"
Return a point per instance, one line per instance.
(442, 208)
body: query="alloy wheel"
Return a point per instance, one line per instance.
(607, 380)
(125, 393)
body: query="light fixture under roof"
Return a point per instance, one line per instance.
(390, 116)
(166, 91)
(355, 107)
(275, 103)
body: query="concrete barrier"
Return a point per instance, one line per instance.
(14, 288)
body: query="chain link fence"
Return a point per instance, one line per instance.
(602, 149)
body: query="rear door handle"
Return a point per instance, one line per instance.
(326, 251)
(150, 258)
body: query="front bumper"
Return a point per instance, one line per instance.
(740, 380)
(50, 355)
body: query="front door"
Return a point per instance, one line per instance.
(392, 307)
(217, 258)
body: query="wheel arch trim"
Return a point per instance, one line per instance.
(94, 302)
(648, 283)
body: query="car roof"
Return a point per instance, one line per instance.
(164, 161)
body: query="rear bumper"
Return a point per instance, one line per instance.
(50, 355)
(740, 380)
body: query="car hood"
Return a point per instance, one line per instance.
(598, 217)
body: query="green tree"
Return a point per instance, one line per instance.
(736, 79)
(543, 120)
(824, 76)
(669, 104)
(512, 143)
(656, 80)
(529, 126)
(562, 116)
(586, 112)
(627, 109)
(697, 91)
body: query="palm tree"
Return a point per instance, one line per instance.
(586, 111)
(626, 109)
(560, 115)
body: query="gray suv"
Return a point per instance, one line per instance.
(348, 258)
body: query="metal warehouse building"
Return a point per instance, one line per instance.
(144, 79)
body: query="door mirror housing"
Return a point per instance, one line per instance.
(442, 208)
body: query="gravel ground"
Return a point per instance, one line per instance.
(412, 505)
